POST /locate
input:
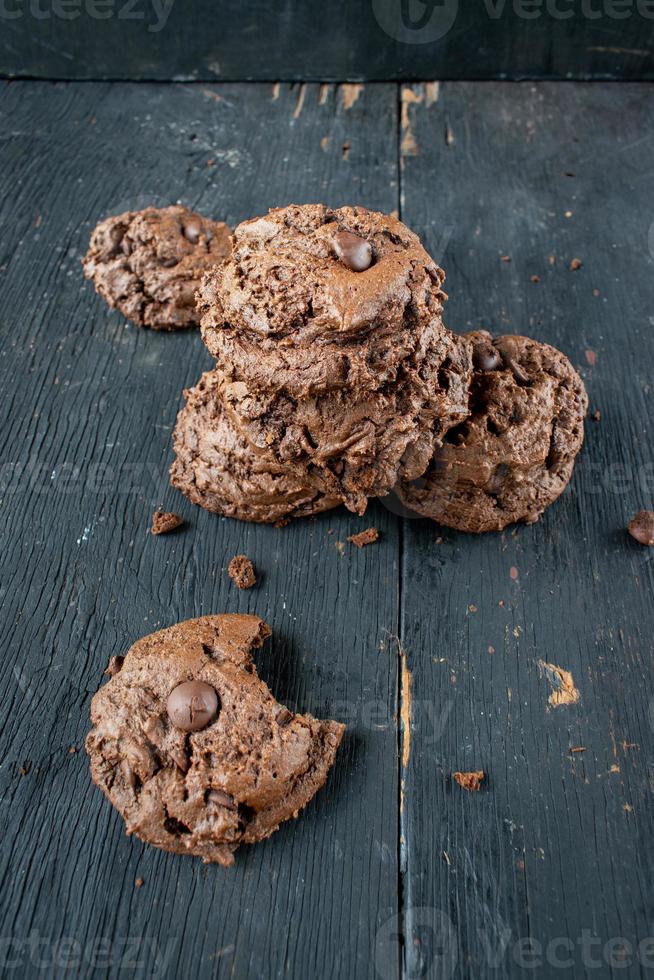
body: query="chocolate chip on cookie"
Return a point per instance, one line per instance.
(148, 264)
(192, 705)
(192, 748)
(353, 251)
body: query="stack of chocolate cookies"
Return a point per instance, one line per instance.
(336, 379)
(335, 374)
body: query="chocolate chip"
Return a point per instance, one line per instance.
(192, 706)
(221, 798)
(641, 527)
(114, 666)
(354, 252)
(485, 357)
(283, 716)
(192, 230)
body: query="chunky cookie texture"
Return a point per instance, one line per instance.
(148, 264)
(514, 455)
(218, 469)
(326, 326)
(192, 748)
(293, 307)
(354, 445)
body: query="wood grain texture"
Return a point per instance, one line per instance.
(557, 843)
(87, 415)
(393, 870)
(377, 40)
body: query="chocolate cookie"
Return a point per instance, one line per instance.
(148, 264)
(292, 307)
(353, 445)
(217, 469)
(514, 455)
(192, 748)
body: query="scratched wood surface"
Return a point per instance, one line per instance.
(392, 871)
(88, 410)
(292, 40)
(557, 844)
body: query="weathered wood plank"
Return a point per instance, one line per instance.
(263, 40)
(557, 843)
(87, 415)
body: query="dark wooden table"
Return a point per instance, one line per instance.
(427, 644)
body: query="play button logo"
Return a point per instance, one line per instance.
(415, 21)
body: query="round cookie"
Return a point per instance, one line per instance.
(216, 468)
(515, 454)
(193, 750)
(354, 444)
(148, 264)
(293, 308)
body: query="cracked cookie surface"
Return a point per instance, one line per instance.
(286, 310)
(515, 454)
(216, 468)
(148, 264)
(192, 749)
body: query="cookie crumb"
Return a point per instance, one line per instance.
(369, 536)
(575, 264)
(241, 572)
(165, 521)
(469, 780)
(577, 748)
(641, 527)
(596, 416)
(535, 278)
(138, 883)
(72, 750)
(505, 258)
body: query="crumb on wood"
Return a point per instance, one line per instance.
(577, 748)
(535, 278)
(575, 264)
(596, 416)
(369, 536)
(469, 780)
(138, 883)
(241, 572)
(165, 521)
(506, 258)
(72, 750)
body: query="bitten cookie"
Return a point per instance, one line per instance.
(514, 455)
(217, 469)
(193, 750)
(148, 264)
